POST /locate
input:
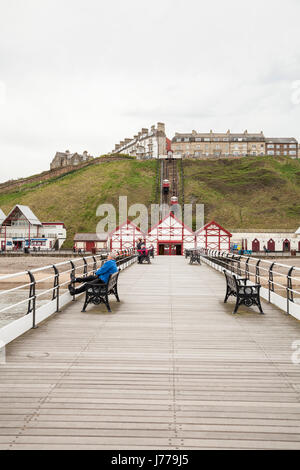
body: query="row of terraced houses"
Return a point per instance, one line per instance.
(154, 143)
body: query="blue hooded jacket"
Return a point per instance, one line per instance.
(110, 267)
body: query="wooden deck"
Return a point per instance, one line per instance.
(169, 368)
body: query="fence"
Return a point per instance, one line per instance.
(39, 293)
(279, 281)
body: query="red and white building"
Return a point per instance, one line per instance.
(22, 229)
(90, 242)
(125, 236)
(170, 236)
(273, 240)
(213, 236)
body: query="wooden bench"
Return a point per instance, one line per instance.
(245, 292)
(98, 293)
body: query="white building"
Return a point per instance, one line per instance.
(170, 236)
(22, 229)
(273, 240)
(2, 216)
(90, 241)
(146, 144)
(125, 237)
(213, 236)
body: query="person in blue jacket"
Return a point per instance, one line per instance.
(100, 276)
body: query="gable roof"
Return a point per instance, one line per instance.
(128, 222)
(27, 212)
(91, 237)
(2, 216)
(175, 218)
(206, 226)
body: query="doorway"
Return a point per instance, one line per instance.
(17, 245)
(90, 246)
(286, 246)
(170, 249)
(255, 245)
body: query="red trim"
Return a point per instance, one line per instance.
(206, 226)
(165, 218)
(128, 222)
(54, 223)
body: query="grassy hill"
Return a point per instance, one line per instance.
(252, 192)
(74, 198)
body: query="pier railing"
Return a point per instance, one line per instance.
(27, 298)
(280, 282)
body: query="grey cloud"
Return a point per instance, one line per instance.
(83, 75)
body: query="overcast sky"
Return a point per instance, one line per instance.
(83, 75)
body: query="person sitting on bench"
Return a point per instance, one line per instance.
(101, 275)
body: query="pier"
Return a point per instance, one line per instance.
(169, 368)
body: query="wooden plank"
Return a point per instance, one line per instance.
(169, 368)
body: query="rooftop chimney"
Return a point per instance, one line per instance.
(161, 126)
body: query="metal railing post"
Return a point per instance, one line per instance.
(289, 290)
(55, 294)
(73, 273)
(238, 269)
(270, 281)
(85, 267)
(257, 272)
(247, 274)
(227, 262)
(32, 298)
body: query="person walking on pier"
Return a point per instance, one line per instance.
(101, 275)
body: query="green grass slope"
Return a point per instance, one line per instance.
(74, 198)
(252, 192)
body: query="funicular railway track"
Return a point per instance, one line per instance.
(169, 183)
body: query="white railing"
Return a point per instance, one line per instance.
(39, 293)
(280, 282)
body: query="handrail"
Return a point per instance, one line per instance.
(60, 295)
(278, 285)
